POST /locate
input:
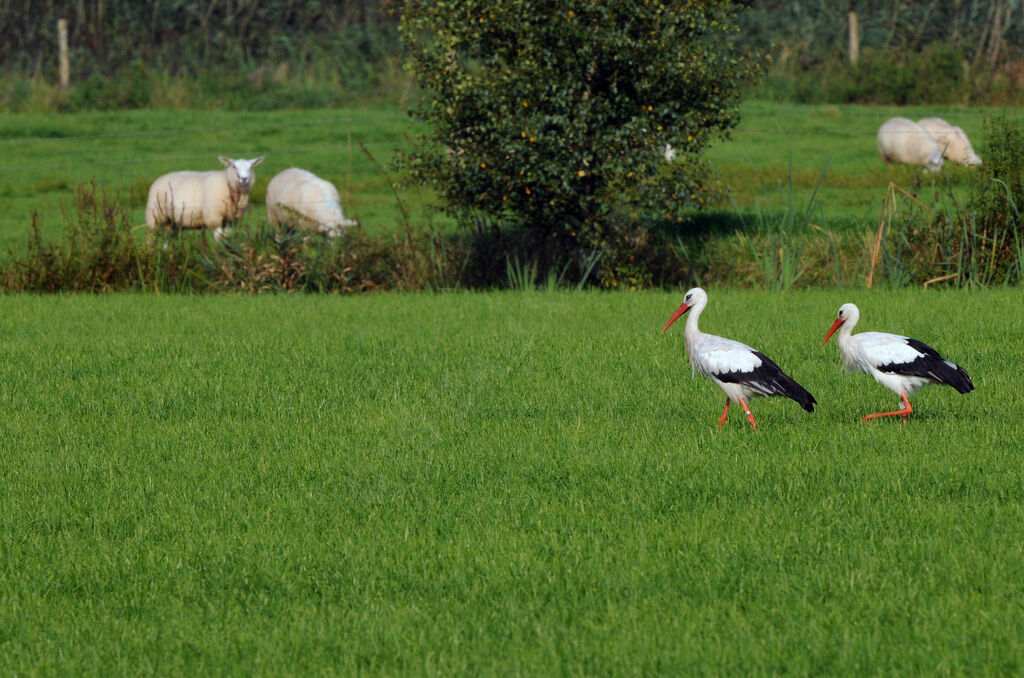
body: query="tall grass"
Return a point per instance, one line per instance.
(969, 243)
(101, 251)
(777, 249)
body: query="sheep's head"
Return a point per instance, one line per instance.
(240, 171)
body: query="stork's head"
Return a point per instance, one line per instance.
(240, 171)
(695, 297)
(848, 313)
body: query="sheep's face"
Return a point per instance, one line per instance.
(240, 171)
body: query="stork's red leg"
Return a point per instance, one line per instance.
(750, 417)
(903, 412)
(721, 421)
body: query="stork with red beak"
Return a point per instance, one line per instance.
(900, 364)
(739, 370)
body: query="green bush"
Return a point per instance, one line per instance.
(553, 116)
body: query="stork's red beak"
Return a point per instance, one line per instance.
(683, 308)
(832, 330)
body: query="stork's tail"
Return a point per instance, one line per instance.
(956, 376)
(787, 386)
(801, 395)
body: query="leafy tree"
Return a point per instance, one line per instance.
(555, 114)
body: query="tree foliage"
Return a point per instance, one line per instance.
(555, 113)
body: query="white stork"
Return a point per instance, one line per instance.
(900, 364)
(739, 370)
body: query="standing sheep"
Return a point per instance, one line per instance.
(202, 199)
(903, 140)
(952, 140)
(304, 199)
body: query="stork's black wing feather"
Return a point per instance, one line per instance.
(931, 365)
(770, 380)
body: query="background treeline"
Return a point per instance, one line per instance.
(303, 53)
(228, 53)
(926, 51)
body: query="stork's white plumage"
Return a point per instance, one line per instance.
(739, 370)
(898, 363)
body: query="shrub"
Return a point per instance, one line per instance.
(553, 116)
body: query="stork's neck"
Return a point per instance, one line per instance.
(846, 329)
(691, 331)
(847, 346)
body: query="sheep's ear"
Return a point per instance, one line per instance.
(257, 161)
(227, 161)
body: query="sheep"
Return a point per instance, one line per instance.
(905, 141)
(952, 140)
(302, 198)
(202, 199)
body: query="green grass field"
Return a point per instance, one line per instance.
(499, 484)
(778, 145)
(48, 155)
(45, 156)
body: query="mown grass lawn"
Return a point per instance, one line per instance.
(500, 483)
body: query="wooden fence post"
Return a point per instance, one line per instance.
(854, 37)
(62, 43)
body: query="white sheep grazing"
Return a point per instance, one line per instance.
(903, 140)
(296, 196)
(202, 199)
(952, 140)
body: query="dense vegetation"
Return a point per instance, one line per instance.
(304, 53)
(921, 51)
(245, 55)
(570, 189)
